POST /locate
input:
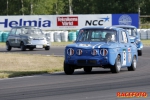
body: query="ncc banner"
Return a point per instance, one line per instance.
(67, 22)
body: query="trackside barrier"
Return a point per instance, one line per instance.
(1, 36)
(65, 36)
(144, 34)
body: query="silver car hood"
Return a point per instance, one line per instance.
(35, 36)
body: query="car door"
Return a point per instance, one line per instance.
(11, 37)
(124, 46)
(18, 37)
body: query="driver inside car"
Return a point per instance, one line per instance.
(108, 37)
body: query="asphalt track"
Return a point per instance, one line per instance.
(100, 84)
(56, 50)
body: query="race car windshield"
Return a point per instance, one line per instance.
(97, 35)
(32, 31)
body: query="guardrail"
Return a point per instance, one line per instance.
(65, 36)
(144, 34)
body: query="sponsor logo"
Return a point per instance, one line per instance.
(125, 20)
(98, 22)
(129, 50)
(21, 22)
(67, 21)
(131, 94)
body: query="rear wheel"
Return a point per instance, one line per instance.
(87, 69)
(116, 68)
(139, 52)
(8, 47)
(68, 69)
(22, 46)
(133, 64)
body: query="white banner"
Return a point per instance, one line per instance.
(56, 22)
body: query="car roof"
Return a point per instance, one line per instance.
(124, 26)
(101, 27)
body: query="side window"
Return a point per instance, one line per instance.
(13, 31)
(18, 31)
(123, 37)
(134, 32)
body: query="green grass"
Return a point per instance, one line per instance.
(60, 43)
(14, 65)
(146, 42)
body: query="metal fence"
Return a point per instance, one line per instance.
(144, 34)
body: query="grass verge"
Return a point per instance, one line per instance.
(14, 65)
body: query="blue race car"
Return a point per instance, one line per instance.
(134, 36)
(106, 47)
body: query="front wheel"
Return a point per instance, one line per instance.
(8, 47)
(133, 64)
(116, 68)
(68, 69)
(47, 48)
(22, 46)
(139, 52)
(31, 48)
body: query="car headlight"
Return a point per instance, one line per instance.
(79, 52)
(70, 52)
(94, 52)
(137, 41)
(48, 38)
(103, 52)
(29, 39)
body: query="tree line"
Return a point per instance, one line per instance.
(54, 7)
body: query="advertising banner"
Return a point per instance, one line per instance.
(67, 22)
(125, 19)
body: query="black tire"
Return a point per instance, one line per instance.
(23, 47)
(31, 48)
(116, 68)
(133, 64)
(68, 69)
(47, 48)
(139, 52)
(87, 69)
(8, 47)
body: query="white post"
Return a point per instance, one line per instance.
(7, 7)
(70, 7)
(31, 7)
(22, 7)
(139, 12)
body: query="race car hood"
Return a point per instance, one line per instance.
(92, 45)
(34, 36)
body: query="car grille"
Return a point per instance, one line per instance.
(87, 61)
(92, 62)
(81, 61)
(38, 39)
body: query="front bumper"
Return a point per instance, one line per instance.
(38, 44)
(87, 61)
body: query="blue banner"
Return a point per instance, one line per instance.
(125, 19)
